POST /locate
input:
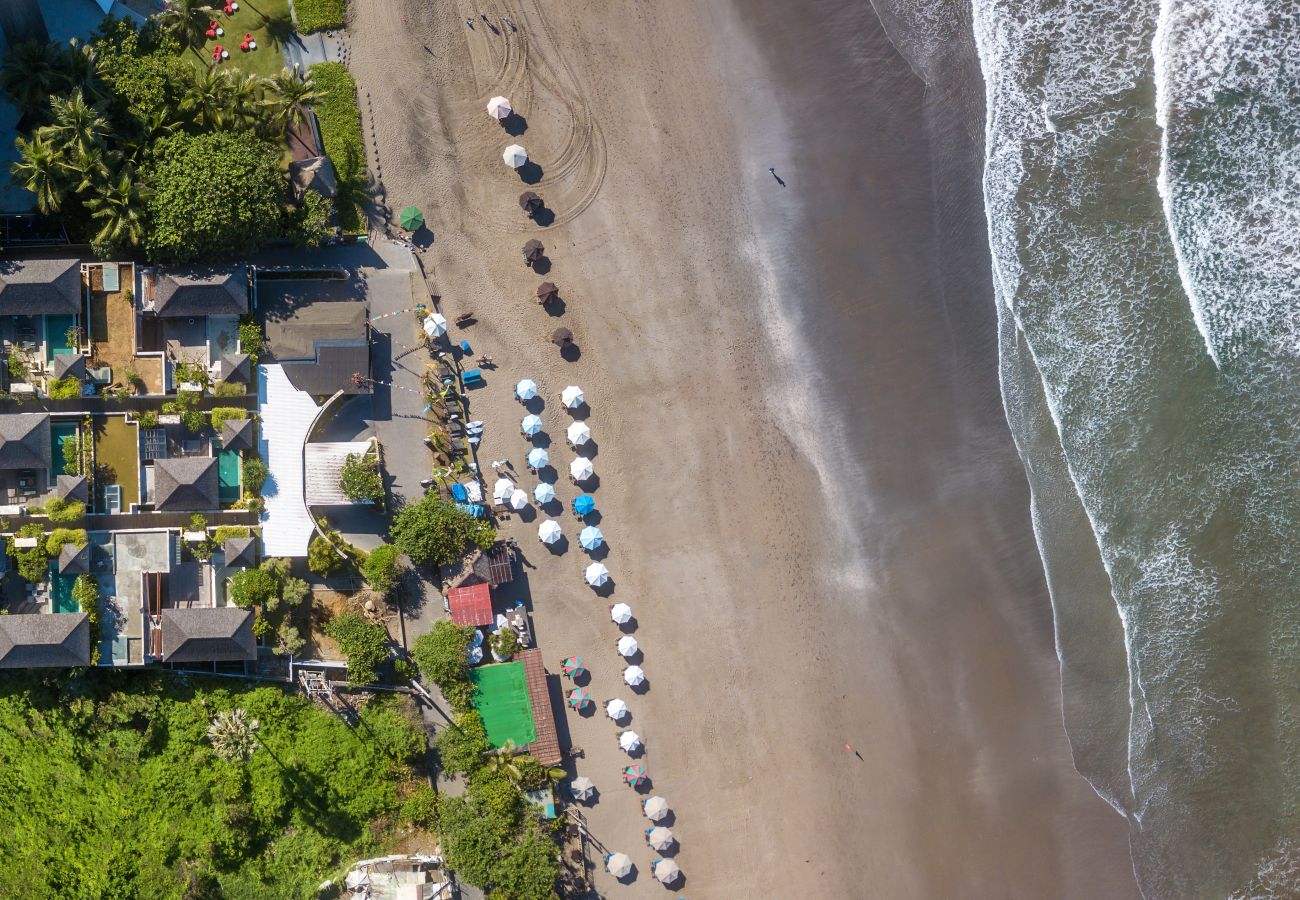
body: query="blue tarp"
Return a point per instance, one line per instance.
(459, 493)
(477, 510)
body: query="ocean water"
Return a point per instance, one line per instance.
(1142, 190)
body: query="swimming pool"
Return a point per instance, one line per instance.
(228, 476)
(56, 336)
(61, 592)
(59, 432)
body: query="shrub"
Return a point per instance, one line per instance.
(287, 640)
(189, 372)
(504, 643)
(33, 562)
(364, 642)
(294, 592)
(460, 695)
(68, 388)
(253, 474)
(420, 809)
(223, 414)
(72, 455)
(250, 337)
(226, 532)
(253, 587)
(229, 389)
(211, 195)
(318, 15)
(340, 127)
(61, 510)
(322, 558)
(461, 745)
(60, 536)
(359, 478)
(309, 223)
(380, 568)
(147, 419)
(432, 530)
(85, 590)
(441, 652)
(17, 371)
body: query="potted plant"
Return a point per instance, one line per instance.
(504, 644)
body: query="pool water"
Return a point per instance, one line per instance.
(61, 592)
(56, 336)
(228, 476)
(59, 433)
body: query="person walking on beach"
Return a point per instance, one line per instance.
(470, 23)
(779, 179)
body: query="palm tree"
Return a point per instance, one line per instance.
(30, 74)
(503, 760)
(245, 101)
(206, 97)
(187, 21)
(86, 166)
(39, 169)
(77, 124)
(291, 93)
(233, 734)
(118, 206)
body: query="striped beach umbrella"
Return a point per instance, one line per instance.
(634, 775)
(573, 665)
(578, 698)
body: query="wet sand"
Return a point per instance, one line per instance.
(805, 475)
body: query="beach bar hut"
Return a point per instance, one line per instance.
(515, 156)
(470, 605)
(499, 108)
(655, 808)
(621, 613)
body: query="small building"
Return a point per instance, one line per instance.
(240, 552)
(25, 455)
(470, 605)
(237, 434)
(185, 484)
(213, 634)
(40, 287)
(318, 331)
(44, 640)
(184, 293)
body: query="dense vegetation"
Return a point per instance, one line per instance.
(365, 644)
(359, 479)
(381, 567)
(278, 598)
(132, 146)
(436, 531)
(112, 787)
(340, 130)
(319, 15)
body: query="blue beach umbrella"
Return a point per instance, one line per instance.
(590, 538)
(584, 504)
(537, 458)
(531, 424)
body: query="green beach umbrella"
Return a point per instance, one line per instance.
(411, 219)
(579, 698)
(574, 666)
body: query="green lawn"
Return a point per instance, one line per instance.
(269, 23)
(111, 788)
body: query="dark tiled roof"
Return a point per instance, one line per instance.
(234, 367)
(73, 364)
(35, 287)
(201, 292)
(74, 560)
(237, 434)
(240, 552)
(44, 640)
(332, 371)
(24, 440)
(185, 483)
(207, 634)
(71, 487)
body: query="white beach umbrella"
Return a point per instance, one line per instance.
(618, 864)
(660, 838)
(627, 645)
(503, 488)
(538, 458)
(435, 325)
(572, 396)
(655, 808)
(621, 613)
(499, 108)
(629, 741)
(530, 424)
(477, 639)
(526, 389)
(543, 493)
(579, 433)
(667, 871)
(518, 499)
(596, 574)
(633, 675)
(515, 156)
(549, 531)
(582, 788)
(616, 709)
(581, 469)
(590, 538)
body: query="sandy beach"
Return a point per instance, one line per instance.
(810, 494)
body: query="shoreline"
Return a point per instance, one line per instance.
(926, 645)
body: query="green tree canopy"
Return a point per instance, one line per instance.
(461, 745)
(441, 652)
(435, 531)
(253, 587)
(364, 642)
(381, 566)
(212, 195)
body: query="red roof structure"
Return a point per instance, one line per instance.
(470, 605)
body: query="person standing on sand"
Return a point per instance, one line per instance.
(470, 23)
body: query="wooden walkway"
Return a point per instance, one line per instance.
(546, 747)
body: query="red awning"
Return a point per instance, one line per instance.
(471, 605)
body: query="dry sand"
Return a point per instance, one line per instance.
(922, 635)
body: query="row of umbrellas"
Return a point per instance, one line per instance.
(572, 396)
(577, 434)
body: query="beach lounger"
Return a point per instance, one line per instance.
(472, 377)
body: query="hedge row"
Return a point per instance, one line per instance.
(340, 130)
(318, 15)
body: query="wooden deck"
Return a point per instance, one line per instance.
(546, 748)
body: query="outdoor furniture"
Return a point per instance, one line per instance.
(472, 377)
(100, 374)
